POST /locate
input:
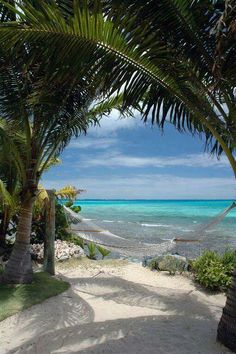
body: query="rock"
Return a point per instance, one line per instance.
(172, 263)
(63, 250)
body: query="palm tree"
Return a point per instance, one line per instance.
(45, 119)
(166, 54)
(39, 119)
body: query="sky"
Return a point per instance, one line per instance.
(126, 159)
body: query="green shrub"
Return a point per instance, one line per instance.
(103, 251)
(153, 264)
(75, 208)
(38, 224)
(92, 250)
(229, 259)
(69, 203)
(214, 271)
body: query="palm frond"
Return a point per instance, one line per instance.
(160, 53)
(41, 198)
(69, 192)
(6, 199)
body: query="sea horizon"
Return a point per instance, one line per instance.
(156, 199)
(155, 220)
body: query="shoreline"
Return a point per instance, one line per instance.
(116, 306)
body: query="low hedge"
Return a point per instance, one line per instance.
(213, 270)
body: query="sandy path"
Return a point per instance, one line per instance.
(120, 309)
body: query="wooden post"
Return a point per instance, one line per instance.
(49, 240)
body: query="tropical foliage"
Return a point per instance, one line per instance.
(214, 271)
(39, 118)
(161, 53)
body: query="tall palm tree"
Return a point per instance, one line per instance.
(39, 118)
(166, 54)
(45, 115)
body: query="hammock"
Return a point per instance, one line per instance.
(90, 232)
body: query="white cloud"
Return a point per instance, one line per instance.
(110, 124)
(151, 186)
(93, 143)
(115, 159)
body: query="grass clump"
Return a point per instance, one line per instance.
(214, 271)
(15, 298)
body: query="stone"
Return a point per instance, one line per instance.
(63, 250)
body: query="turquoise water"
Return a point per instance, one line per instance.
(157, 220)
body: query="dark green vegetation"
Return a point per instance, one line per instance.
(93, 250)
(214, 271)
(14, 298)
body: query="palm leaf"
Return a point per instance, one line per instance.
(173, 82)
(5, 197)
(69, 192)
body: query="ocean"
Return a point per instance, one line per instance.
(157, 220)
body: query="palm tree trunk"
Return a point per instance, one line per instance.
(226, 332)
(2, 238)
(3, 227)
(19, 267)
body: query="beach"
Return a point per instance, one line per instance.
(115, 306)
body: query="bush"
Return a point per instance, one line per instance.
(103, 251)
(69, 203)
(38, 224)
(92, 250)
(214, 271)
(152, 264)
(76, 209)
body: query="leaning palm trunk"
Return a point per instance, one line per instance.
(4, 227)
(227, 326)
(19, 266)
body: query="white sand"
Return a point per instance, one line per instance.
(118, 308)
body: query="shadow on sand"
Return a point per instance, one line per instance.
(187, 327)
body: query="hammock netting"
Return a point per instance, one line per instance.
(90, 232)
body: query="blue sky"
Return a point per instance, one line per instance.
(123, 158)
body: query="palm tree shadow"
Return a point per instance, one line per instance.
(121, 291)
(183, 324)
(68, 310)
(144, 334)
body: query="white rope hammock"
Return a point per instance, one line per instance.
(90, 232)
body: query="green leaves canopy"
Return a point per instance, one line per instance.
(160, 53)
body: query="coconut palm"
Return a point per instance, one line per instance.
(39, 119)
(162, 55)
(166, 54)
